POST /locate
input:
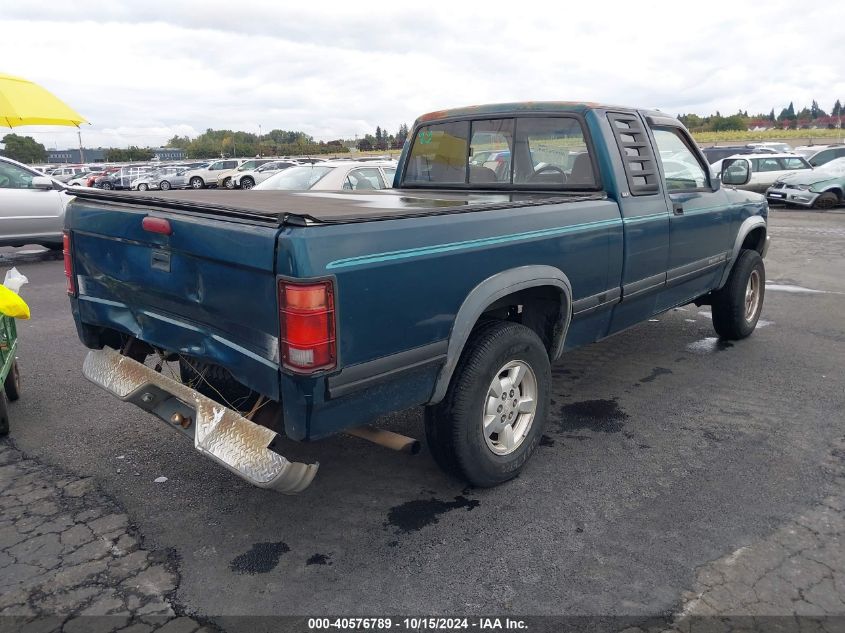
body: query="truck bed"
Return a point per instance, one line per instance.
(331, 207)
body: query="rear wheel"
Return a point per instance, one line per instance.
(492, 417)
(737, 305)
(107, 185)
(12, 383)
(143, 187)
(827, 200)
(229, 183)
(247, 182)
(197, 183)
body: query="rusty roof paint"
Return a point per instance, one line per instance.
(498, 108)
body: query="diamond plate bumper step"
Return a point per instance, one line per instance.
(218, 432)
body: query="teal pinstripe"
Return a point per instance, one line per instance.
(408, 253)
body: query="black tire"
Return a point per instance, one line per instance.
(216, 383)
(107, 186)
(4, 415)
(197, 183)
(247, 182)
(164, 185)
(229, 183)
(143, 187)
(827, 200)
(12, 384)
(454, 427)
(731, 318)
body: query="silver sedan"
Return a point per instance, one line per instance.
(32, 206)
(164, 179)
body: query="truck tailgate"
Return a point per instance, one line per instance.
(206, 290)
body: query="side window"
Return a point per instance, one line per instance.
(556, 152)
(439, 154)
(768, 164)
(13, 177)
(793, 163)
(365, 178)
(389, 173)
(682, 172)
(821, 158)
(490, 151)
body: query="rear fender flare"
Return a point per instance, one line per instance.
(488, 292)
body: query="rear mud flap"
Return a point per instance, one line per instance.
(218, 432)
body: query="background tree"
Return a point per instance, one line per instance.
(131, 154)
(837, 109)
(401, 136)
(24, 149)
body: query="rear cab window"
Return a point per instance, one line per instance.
(521, 152)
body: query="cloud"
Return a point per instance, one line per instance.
(142, 72)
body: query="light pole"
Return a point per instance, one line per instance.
(259, 140)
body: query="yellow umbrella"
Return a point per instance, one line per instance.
(25, 103)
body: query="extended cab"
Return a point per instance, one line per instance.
(240, 317)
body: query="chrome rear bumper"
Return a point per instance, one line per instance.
(218, 432)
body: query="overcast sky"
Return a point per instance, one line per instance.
(142, 71)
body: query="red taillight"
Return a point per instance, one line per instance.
(71, 283)
(307, 322)
(156, 225)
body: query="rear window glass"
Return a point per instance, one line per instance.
(532, 152)
(439, 154)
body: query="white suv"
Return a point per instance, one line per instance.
(207, 176)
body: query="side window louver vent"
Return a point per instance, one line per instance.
(637, 157)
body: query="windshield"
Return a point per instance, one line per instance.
(302, 177)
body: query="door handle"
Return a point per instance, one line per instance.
(677, 208)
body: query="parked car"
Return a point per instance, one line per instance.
(328, 175)
(820, 188)
(32, 206)
(714, 154)
(203, 177)
(249, 178)
(164, 178)
(122, 177)
(311, 313)
(765, 168)
(776, 146)
(225, 179)
(65, 173)
(81, 180)
(91, 181)
(821, 154)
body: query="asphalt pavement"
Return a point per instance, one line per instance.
(670, 460)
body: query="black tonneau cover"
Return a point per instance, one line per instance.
(331, 207)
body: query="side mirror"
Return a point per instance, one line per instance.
(41, 182)
(735, 171)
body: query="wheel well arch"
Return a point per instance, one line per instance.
(835, 190)
(752, 234)
(539, 297)
(755, 240)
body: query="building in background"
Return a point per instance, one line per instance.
(169, 153)
(71, 156)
